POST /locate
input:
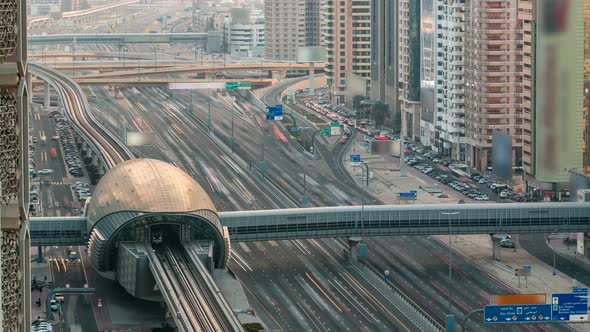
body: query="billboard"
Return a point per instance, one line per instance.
(140, 138)
(382, 147)
(559, 54)
(502, 155)
(311, 54)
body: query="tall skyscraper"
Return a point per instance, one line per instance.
(290, 24)
(449, 84)
(384, 52)
(348, 45)
(493, 78)
(410, 53)
(586, 122)
(15, 273)
(553, 86)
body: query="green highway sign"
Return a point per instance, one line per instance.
(244, 85)
(231, 85)
(326, 131)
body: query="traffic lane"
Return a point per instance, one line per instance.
(190, 133)
(426, 280)
(323, 280)
(536, 245)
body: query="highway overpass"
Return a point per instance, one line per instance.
(120, 82)
(118, 38)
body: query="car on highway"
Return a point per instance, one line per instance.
(59, 297)
(45, 171)
(55, 138)
(507, 243)
(54, 305)
(34, 139)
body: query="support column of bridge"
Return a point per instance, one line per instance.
(39, 254)
(59, 105)
(353, 252)
(46, 100)
(279, 74)
(496, 248)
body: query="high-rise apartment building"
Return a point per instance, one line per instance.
(348, 44)
(553, 84)
(290, 24)
(586, 122)
(449, 84)
(284, 28)
(312, 22)
(15, 259)
(410, 54)
(493, 78)
(384, 52)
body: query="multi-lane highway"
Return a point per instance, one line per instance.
(184, 139)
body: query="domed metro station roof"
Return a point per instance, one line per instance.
(147, 185)
(142, 192)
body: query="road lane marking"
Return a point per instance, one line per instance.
(245, 247)
(323, 292)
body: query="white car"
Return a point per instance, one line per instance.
(45, 171)
(482, 198)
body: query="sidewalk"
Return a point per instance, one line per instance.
(387, 182)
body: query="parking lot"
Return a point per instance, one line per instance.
(68, 144)
(460, 177)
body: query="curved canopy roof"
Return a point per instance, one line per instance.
(146, 185)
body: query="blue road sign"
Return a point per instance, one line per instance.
(386, 277)
(294, 129)
(160, 19)
(274, 112)
(527, 267)
(355, 158)
(304, 201)
(168, 16)
(523, 313)
(570, 306)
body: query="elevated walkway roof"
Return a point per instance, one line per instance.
(376, 220)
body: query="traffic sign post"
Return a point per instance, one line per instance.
(355, 158)
(326, 131)
(526, 313)
(571, 307)
(244, 85)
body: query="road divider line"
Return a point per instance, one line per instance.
(323, 292)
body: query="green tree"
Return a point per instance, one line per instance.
(356, 102)
(379, 113)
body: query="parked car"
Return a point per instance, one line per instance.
(45, 171)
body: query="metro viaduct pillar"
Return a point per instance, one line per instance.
(496, 247)
(46, 100)
(279, 75)
(353, 252)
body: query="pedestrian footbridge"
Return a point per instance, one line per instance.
(364, 221)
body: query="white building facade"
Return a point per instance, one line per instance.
(450, 102)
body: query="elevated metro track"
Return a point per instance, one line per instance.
(188, 286)
(108, 147)
(119, 38)
(256, 83)
(81, 13)
(376, 220)
(134, 69)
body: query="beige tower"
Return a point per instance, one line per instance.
(15, 274)
(493, 78)
(348, 46)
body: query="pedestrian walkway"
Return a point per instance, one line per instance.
(386, 182)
